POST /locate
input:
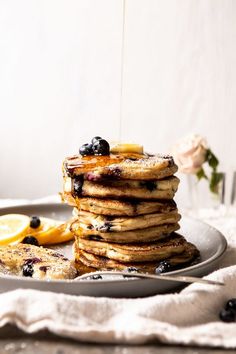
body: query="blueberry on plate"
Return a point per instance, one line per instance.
(35, 222)
(164, 266)
(96, 277)
(101, 147)
(131, 270)
(27, 270)
(96, 138)
(231, 305)
(30, 240)
(227, 315)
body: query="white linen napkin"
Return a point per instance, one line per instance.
(190, 317)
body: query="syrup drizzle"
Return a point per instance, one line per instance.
(122, 68)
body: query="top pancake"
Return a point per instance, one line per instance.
(121, 166)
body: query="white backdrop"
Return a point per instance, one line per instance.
(60, 65)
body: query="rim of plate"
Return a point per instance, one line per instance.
(218, 254)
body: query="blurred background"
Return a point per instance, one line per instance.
(60, 81)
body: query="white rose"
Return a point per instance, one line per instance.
(190, 153)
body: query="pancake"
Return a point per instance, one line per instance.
(146, 235)
(36, 262)
(120, 207)
(135, 252)
(164, 189)
(94, 262)
(122, 166)
(90, 221)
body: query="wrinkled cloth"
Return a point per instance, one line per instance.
(190, 317)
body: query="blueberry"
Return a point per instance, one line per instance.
(27, 270)
(96, 138)
(101, 147)
(30, 240)
(231, 305)
(35, 222)
(227, 315)
(78, 186)
(131, 270)
(149, 185)
(96, 277)
(86, 150)
(164, 266)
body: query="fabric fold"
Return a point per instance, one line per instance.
(189, 317)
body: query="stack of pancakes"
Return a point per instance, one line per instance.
(124, 212)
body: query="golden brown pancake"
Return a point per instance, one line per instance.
(123, 166)
(150, 234)
(163, 189)
(135, 252)
(102, 263)
(36, 262)
(115, 207)
(90, 221)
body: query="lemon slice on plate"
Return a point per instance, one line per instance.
(51, 232)
(13, 227)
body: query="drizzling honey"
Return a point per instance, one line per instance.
(122, 66)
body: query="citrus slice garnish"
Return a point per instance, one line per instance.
(51, 232)
(56, 235)
(13, 227)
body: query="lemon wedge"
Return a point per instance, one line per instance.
(13, 227)
(51, 232)
(56, 235)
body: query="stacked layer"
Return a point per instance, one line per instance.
(124, 214)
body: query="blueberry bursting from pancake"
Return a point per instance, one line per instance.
(125, 217)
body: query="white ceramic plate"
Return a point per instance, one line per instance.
(209, 241)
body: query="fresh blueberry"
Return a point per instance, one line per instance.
(86, 150)
(96, 277)
(101, 147)
(149, 185)
(96, 138)
(35, 222)
(227, 315)
(30, 240)
(78, 185)
(27, 270)
(231, 304)
(164, 266)
(131, 270)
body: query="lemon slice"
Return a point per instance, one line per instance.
(13, 227)
(51, 232)
(56, 235)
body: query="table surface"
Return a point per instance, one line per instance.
(14, 341)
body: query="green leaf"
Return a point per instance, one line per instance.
(214, 182)
(212, 159)
(201, 174)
